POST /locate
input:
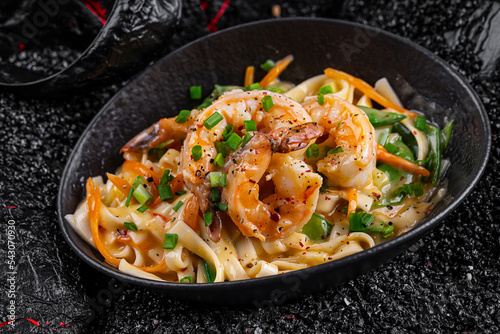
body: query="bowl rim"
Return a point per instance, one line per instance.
(411, 236)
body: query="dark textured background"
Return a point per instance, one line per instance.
(449, 282)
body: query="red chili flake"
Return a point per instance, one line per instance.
(301, 244)
(308, 171)
(307, 247)
(414, 132)
(329, 122)
(275, 216)
(301, 173)
(360, 169)
(329, 258)
(377, 196)
(304, 253)
(402, 178)
(327, 198)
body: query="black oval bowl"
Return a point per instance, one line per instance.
(422, 80)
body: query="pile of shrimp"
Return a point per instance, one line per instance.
(272, 187)
(271, 191)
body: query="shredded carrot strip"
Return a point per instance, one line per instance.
(367, 90)
(120, 183)
(177, 183)
(138, 168)
(156, 203)
(94, 205)
(157, 268)
(391, 159)
(352, 197)
(275, 71)
(249, 76)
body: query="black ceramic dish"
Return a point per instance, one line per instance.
(421, 79)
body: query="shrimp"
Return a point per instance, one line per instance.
(235, 107)
(279, 214)
(348, 127)
(159, 132)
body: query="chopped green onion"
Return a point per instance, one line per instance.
(165, 191)
(420, 123)
(233, 141)
(335, 150)
(268, 65)
(317, 228)
(141, 194)
(183, 116)
(178, 206)
(326, 90)
(166, 178)
(181, 192)
(358, 221)
(324, 188)
(276, 90)
(127, 202)
(222, 206)
(186, 279)
(387, 231)
(246, 139)
(130, 226)
(213, 120)
(219, 160)
(196, 151)
(208, 217)
(321, 99)
(168, 142)
(170, 241)
(221, 148)
(250, 126)
(210, 272)
(312, 151)
(215, 195)
(267, 103)
(142, 209)
(138, 180)
(195, 92)
(255, 85)
(228, 130)
(218, 179)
